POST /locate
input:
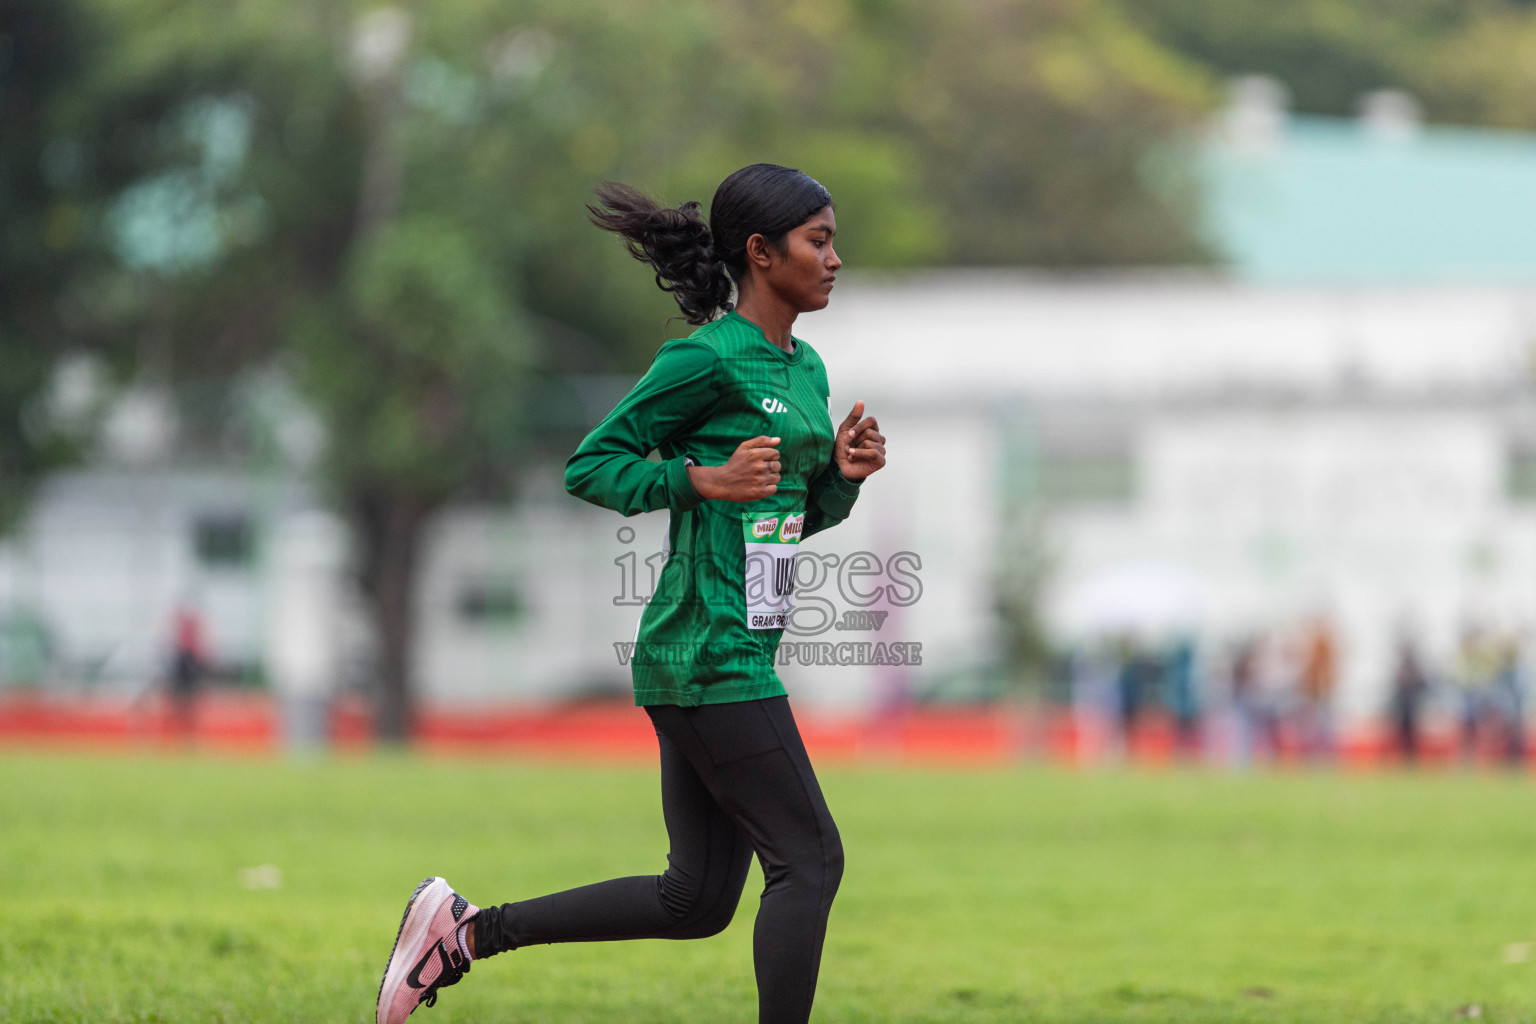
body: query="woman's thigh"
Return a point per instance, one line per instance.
(750, 758)
(708, 855)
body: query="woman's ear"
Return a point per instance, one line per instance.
(757, 252)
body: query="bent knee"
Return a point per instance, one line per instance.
(817, 869)
(699, 919)
(711, 921)
(696, 914)
(834, 862)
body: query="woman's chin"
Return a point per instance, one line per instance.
(817, 301)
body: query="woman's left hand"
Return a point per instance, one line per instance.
(859, 448)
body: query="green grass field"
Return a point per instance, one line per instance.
(1030, 895)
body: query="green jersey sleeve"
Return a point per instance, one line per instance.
(611, 467)
(829, 498)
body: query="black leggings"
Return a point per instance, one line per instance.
(735, 779)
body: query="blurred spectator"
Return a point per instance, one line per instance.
(1275, 673)
(1140, 674)
(189, 661)
(1473, 677)
(1094, 671)
(1247, 704)
(1506, 697)
(1182, 696)
(1318, 675)
(1410, 685)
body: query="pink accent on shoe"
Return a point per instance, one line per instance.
(426, 956)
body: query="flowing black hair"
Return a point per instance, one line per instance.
(698, 262)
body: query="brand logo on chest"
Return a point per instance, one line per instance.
(772, 404)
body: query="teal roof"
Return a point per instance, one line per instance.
(1328, 202)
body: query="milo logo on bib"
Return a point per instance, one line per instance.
(768, 577)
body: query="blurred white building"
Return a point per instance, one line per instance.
(1213, 457)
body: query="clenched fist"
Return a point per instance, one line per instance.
(752, 473)
(859, 448)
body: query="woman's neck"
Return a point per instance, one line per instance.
(772, 315)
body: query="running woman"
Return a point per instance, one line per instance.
(750, 464)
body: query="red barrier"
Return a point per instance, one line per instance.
(243, 722)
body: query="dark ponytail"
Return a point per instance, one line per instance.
(696, 264)
(676, 242)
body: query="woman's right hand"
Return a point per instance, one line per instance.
(752, 473)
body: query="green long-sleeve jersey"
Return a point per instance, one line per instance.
(710, 631)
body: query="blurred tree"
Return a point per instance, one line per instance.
(1485, 71)
(1013, 132)
(47, 199)
(1468, 61)
(1327, 52)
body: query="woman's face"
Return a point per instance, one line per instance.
(803, 273)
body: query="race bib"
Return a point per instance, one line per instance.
(768, 577)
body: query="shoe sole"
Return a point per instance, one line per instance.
(419, 926)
